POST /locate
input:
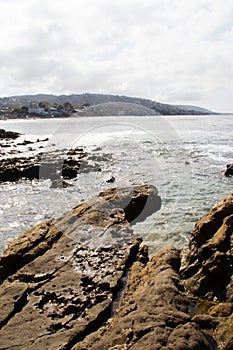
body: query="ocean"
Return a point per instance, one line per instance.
(183, 156)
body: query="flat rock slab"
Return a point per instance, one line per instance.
(60, 279)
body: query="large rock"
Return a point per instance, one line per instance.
(59, 279)
(84, 281)
(177, 300)
(207, 267)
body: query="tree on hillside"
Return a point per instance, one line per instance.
(43, 104)
(68, 106)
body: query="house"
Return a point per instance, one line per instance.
(37, 110)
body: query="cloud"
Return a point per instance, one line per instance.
(172, 51)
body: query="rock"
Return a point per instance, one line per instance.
(8, 134)
(154, 311)
(85, 281)
(207, 267)
(111, 179)
(49, 165)
(25, 143)
(59, 183)
(207, 260)
(60, 279)
(229, 170)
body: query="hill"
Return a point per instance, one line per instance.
(150, 107)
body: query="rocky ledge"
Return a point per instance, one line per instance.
(62, 281)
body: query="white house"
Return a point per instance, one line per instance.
(37, 110)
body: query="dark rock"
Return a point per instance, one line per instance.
(51, 165)
(55, 288)
(111, 179)
(25, 143)
(229, 170)
(8, 134)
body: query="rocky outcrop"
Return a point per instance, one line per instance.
(85, 281)
(154, 311)
(178, 300)
(59, 279)
(207, 267)
(229, 170)
(53, 165)
(8, 134)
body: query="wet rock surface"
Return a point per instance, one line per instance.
(59, 279)
(54, 165)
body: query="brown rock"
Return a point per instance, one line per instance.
(207, 266)
(55, 288)
(153, 313)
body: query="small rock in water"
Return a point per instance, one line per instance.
(229, 170)
(111, 179)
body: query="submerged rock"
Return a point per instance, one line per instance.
(60, 278)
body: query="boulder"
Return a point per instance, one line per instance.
(207, 267)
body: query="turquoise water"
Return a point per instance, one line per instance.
(183, 156)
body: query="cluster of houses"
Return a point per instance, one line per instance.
(35, 110)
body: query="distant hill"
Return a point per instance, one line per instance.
(107, 104)
(117, 108)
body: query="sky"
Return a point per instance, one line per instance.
(171, 51)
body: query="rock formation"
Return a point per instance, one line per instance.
(62, 281)
(60, 278)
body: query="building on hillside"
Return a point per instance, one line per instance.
(37, 110)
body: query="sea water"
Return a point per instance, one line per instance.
(183, 156)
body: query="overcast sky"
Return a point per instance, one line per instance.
(174, 51)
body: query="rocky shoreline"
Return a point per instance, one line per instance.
(57, 165)
(85, 281)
